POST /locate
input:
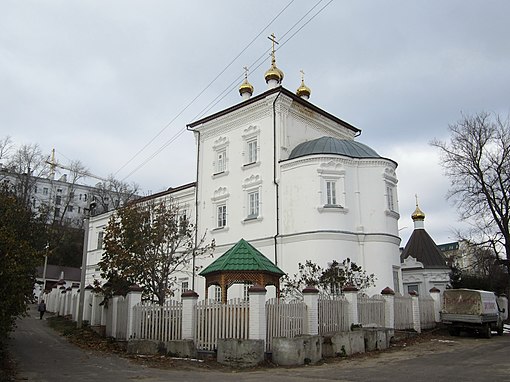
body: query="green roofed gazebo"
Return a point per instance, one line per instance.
(242, 263)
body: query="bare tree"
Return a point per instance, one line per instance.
(113, 193)
(477, 161)
(26, 165)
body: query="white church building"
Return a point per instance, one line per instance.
(293, 181)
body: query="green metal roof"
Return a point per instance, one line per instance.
(242, 257)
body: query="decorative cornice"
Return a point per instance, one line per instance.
(252, 181)
(320, 158)
(220, 194)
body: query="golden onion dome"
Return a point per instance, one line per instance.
(303, 90)
(418, 214)
(246, 87)
(273, 73)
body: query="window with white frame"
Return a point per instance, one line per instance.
(221, 161)
(100, 239)
(217, 293)
(246, 288)
(221, 212)
(252, 151)
(253, 204)
(390, 197)
(331, 193)
(184, 286)
(251, 136)
(413, 288)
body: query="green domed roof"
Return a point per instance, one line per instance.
(330, 145)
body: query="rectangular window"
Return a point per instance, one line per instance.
(413, 288)
(58, 200)
(100, 240)
(222, 216)
(253, 204)
(217, 293)
(330, 192)
(252, 151)
(85, 197)
(79, 209)
(35, 189)
(45, 191)
(71, 195)
(390, 198)
(221, 161)
(59, 191)
(184, 286)
(57, 213)
(70, 209)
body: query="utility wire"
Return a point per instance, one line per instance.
(203, 90)
(234, 83)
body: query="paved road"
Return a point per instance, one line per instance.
(42, 355)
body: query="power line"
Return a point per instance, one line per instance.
(233, 84)
(203, 90)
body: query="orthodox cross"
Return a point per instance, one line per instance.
(273, 39)
(302, 75)
(245, 72)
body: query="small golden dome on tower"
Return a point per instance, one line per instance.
(418, 214)
(303, 91)
(273, 73)
(246, 87)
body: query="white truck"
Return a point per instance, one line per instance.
(473, 311)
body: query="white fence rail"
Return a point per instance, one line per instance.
(284, 319)
(403, 312)
(215, 320)
(158, 322)
(427, 315)
(333, 315)
(371, 310)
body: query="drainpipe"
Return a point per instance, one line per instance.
(196, 208)
(275, 238)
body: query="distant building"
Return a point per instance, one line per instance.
(424, 266)
(55, 275)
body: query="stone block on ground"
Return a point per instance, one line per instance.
(146, 347)
(181, 348)
(240, 353)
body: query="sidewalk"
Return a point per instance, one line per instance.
(42, 355)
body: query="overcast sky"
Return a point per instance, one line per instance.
(100, 80)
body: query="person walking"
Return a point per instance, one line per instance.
(41, 308)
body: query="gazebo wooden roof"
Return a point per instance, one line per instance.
(242, 263)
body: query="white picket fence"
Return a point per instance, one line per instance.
(427, 315)
(333, 315)
(158, 322)
(215, 320)
(284, 319)
(403, 312)
(371, 310)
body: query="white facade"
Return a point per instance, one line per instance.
(418, 279)
(319, 207)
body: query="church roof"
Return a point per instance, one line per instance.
(242, 257)
(267, 93)
(423, 249)
(330, 145)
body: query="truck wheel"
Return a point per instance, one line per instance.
(454, 332)
(487, 331)
(500, 329)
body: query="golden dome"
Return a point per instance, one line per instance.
(418, 214)
(246, 87)
(303, 90)
(273, 73)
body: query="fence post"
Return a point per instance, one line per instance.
(114, 308)
(351, 295)
(189, 303)
(416, 311)
(389, 307)
(311, 299)
(258, 325)
(87, 308)
(436, 296)
(134, 297)
(75, 292)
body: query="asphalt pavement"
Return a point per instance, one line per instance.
(43, 355)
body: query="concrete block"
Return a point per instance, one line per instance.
(341, 344)
(357, 341)
(288, 351)
(143, 347)
(181, 348)
(377, 339)
(312, 345)
(240, 353)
